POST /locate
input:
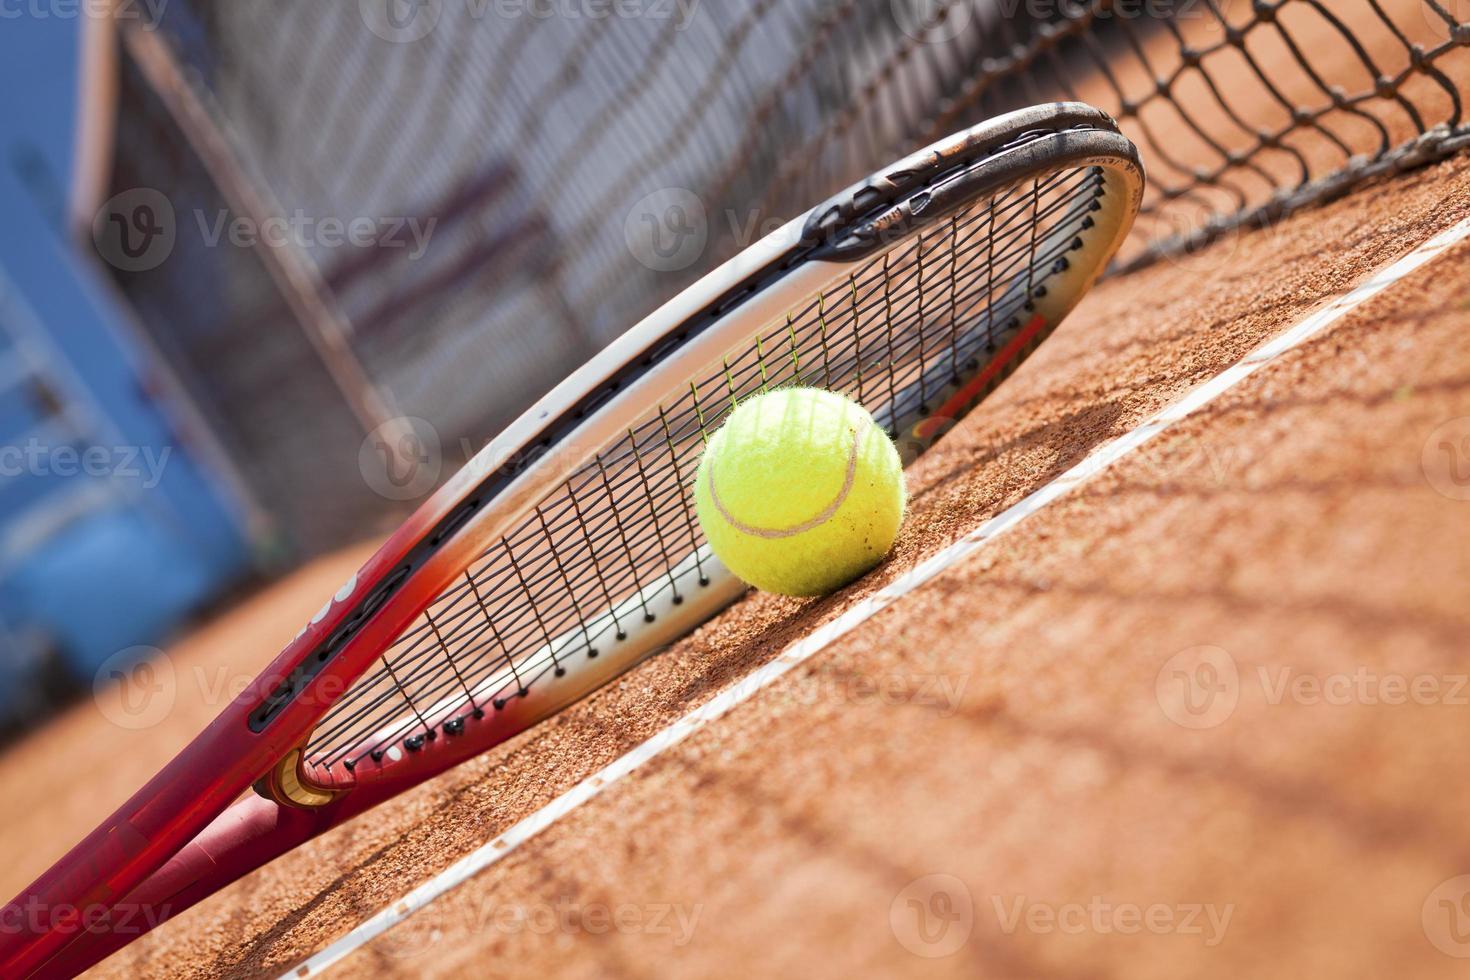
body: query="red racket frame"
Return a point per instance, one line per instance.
(179, 838)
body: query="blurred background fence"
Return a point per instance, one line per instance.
(508, 159)
(345, 243)
(315, 254)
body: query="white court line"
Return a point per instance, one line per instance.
(808, 646)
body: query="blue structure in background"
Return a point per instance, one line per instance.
(110, 529)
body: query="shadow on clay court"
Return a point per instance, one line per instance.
(1073, 436)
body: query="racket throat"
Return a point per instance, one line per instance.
(285, 784)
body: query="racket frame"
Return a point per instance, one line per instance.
(180, 828)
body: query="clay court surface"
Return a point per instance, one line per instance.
(1008, 726)
(1202, 716)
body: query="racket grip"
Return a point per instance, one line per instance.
(250, 833)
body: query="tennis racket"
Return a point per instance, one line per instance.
(567, 550)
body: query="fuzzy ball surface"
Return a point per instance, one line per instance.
(800, 492)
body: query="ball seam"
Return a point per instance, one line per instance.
(826, 515)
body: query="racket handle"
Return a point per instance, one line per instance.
(250, 833)
(187, 796)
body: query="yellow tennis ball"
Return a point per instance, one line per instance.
(800, 491)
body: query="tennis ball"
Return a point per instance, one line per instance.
(800, 492)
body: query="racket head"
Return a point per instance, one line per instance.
(916, 291)
(953, 265)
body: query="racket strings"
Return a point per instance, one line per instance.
(636, 559)
(582, 569)
(638, 479)
(692, 423)
(518, 681)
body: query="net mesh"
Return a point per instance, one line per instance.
(216, 316)
(504, 157)
(593, 553)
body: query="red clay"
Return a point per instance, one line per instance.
(1000, 726)
(1010, 726)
